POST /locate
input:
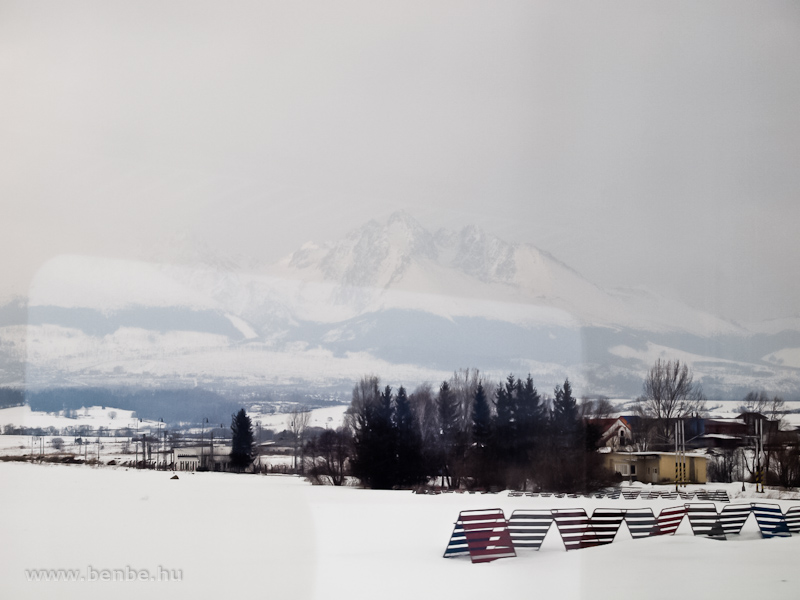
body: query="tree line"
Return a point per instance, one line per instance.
(467, 433)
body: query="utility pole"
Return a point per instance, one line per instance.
(202, 443)
(759, 453)
(682, 450)
(744, 458)
(630, 467)
(677, 473)
(680, 454)
(164, 454)
(136, 446)
(163, 446)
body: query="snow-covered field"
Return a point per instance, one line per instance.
(329, 417)
(278, 537)
(93, 417)
(116, 418)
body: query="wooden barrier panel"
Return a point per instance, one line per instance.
(733, 517)
(487, 534)
(713, 495)
(605, 522)
(640, 521)
(793, 519)
(770, 519)
(457, 546)
(669, 519)
(575, 528)
(705, 521)
(528, 528)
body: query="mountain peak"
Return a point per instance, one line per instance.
(380, 254)
(402, 218)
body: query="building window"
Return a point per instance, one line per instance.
(621, 468)
(633, 469)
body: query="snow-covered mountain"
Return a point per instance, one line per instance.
(390, 298)
(384, 265)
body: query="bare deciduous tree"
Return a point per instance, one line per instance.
(774, 409)
(603, 408)
(759, 402)
(329, 454)
(595, 408)
(463, 385)
(668, 393)
(297, 424)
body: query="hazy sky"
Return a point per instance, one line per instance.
(642, 143)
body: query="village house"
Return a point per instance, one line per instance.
(655, 467)
(721, 433)
(201, 457)
(614, 432)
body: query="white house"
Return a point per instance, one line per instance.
(615, 432)
(202, 456)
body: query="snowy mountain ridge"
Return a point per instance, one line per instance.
(375, 260)
(390, 298)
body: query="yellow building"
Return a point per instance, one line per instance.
(655, 467)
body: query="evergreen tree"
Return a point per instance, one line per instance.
(409, 442)
(242, 441)
(532, 414)
(565, 423)
(374, 437)
(567, 454)
(449, 450)
(507, 446)
(481, 419)
(531, 427)
(482, 451)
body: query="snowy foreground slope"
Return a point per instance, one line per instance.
(278, 537)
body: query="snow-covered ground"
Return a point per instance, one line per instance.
(273, 536)
(329, 417)
(116, 418)
(93, 417)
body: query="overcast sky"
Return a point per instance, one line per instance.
(642, 143)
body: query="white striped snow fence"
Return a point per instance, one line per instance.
(486, 535)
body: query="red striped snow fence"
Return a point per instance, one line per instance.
(486, 535)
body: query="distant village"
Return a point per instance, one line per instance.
(461, 436)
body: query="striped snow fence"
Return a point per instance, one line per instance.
(616, 493)
(486, 535)
(771, 521)
(482, 534)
